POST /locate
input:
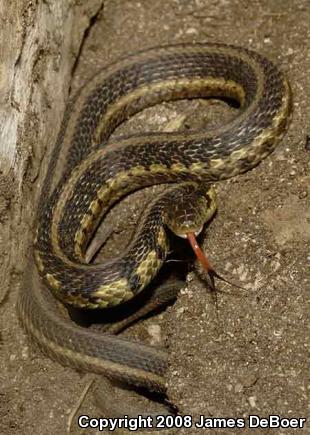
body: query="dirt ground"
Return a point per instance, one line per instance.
(245, 351)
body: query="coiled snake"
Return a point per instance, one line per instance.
(96, 176)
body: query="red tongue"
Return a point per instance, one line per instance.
(206, 264)
(203, 260)
(198, 252)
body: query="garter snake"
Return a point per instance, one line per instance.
(96, 175)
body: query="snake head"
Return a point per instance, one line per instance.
(191, 207)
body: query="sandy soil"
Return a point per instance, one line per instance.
(247, 352)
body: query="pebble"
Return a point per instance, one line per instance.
(303, 195)
(252, 401)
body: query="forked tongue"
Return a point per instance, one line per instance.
(201, 256)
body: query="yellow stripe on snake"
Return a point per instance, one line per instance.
(97, 175)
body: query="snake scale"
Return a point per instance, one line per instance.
(98, 174)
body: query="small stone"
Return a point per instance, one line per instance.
(303, 194)
(191, 31)
(180, 311)
(155, 333)
(238, 388)
(252, 401)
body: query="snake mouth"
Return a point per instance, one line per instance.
(193, 233)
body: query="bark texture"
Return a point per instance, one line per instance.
(39, 50)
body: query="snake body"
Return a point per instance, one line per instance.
(97, 175)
